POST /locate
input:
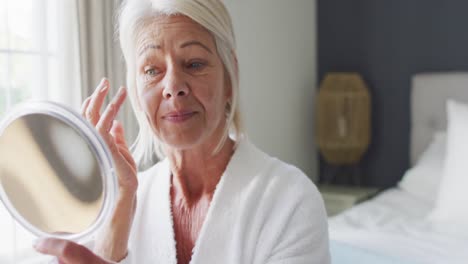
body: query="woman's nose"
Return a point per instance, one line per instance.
(175, 85)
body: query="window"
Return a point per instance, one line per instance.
(39, 59)
(25, 53)
(38, 52)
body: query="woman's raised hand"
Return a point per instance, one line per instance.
(113, 134)
(112, 241)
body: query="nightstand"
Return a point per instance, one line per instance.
(339, 198)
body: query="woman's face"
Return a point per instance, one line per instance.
(181, 82)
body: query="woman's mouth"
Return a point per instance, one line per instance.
(179, 116)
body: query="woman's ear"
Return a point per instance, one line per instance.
(236, 64)
(236, 72)
(227, 85)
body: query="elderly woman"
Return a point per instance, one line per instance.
(214, 197)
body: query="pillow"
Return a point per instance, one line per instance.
(451, 207)
(423, 179)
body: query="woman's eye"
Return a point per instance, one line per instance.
(150, 72)
(195, 65)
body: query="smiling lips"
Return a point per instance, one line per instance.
(179, 116)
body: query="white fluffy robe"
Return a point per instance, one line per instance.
(263, 211)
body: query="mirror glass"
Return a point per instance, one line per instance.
(52, 176)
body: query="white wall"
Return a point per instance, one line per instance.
(276, 42)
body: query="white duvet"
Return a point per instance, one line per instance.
(394, 224)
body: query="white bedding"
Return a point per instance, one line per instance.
(393, 224)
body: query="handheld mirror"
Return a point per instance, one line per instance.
(56, 173)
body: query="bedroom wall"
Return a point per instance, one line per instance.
(388, 42)
(276, 42)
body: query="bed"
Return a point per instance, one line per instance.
(396, 225)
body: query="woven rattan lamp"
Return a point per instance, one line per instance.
(343, 118)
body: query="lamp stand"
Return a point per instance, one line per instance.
(342, 174)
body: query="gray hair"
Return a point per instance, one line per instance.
(213, 16)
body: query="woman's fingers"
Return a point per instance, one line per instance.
(128, 157)
(117, 132)
(66, 251)
(92, 112)
(84, 106)
(105, 123)
(112, 133)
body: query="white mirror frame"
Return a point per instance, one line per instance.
(98, 148)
